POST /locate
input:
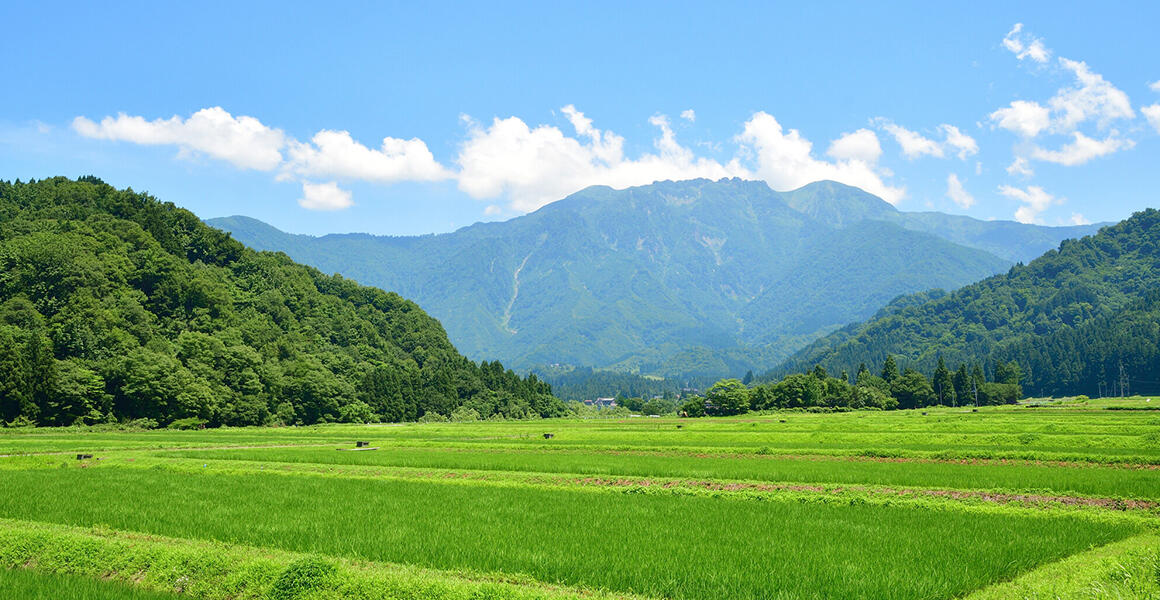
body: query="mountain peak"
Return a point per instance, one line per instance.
(838, 204)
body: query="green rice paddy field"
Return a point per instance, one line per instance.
(1056, 501)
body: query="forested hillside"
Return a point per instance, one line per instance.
(1070, 319)
(679, 279)
(115, 306)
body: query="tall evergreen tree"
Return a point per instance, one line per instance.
(944, 387)
(890, 369)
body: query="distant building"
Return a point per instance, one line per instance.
(602, 403)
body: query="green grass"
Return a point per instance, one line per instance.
(30, 585)
(1054, 479)
(1129, 569)
(653, 544)
(493, 510)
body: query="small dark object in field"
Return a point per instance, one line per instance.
(361, 444)
(679, 426)
(84, 456)
(924, 413)
(548, 436)
(781, 421)
(974, 410)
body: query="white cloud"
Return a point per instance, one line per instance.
(957, 194)
(1155, 85)
(785, 161)
(1092, 97)
(1082, 149)
(689, 115)
(534, 166)
(860, 145)
(336, 154)
(1034, 201)
(913, 143)
(243, 141)
(324, 196)
(1023, 117)
(1152, 113)
(1025, 46)
(492, 210)
(526, 166)
(965, 144)
(1079, 219)
(1020, 167)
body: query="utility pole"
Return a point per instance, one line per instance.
(975, 389)
(1123, 380)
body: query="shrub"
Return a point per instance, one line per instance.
(302, 577)
(187, 423)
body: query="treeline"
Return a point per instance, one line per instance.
(116, 307)
(889, 389)
(1078, 320)
(577, 384)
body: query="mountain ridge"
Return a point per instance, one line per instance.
(654, 278)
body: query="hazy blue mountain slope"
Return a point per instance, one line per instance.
(692, 277)
(842, 205)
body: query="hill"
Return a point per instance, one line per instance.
(1070, 319)
(691, 278)
(115, 306)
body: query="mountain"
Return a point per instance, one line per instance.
(842, 205)
(688, 278)
(1077, 320)
(115, 306)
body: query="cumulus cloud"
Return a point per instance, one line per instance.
(1023, 117)
(508, 159)
(957, 194)
(1079, 219)
(785, 160)
(1088, 99)
(913, 143)
(1091, 97)
(1024, 45)
(1155, 85)
(964, 144)
(689, 115)
(324, 196)
(337, 154)
(1152, 113)
(243, 141)
(1034, 201)
(860, 145)
(532, 166)
(1081, 150)
(1020, 166)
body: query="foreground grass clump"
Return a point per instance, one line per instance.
(695, 547)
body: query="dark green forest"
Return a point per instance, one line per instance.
(117, 307)
(1083, 319)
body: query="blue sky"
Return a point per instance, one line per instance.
(423, 117)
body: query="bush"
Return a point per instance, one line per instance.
(188, 423)
(465, 415)
(302, 577)
(432, 417)
(144, 423)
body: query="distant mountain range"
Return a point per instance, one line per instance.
(692, 277)
(1083, 319)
